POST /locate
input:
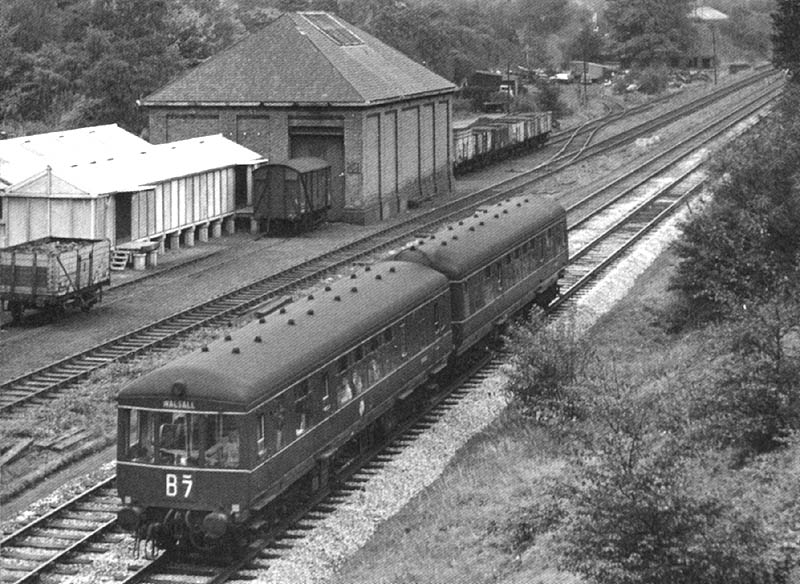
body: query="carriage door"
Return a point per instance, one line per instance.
(328, 144)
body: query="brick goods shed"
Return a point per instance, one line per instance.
(310, 84)
(105, 183)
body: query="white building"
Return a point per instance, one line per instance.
(104, 182)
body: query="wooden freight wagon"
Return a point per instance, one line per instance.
(293, 195)
(52, 273)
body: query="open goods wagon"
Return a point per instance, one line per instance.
(52, 273)
(477, 143)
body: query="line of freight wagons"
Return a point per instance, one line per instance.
(479, 142)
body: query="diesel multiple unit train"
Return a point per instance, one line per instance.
(214, 437)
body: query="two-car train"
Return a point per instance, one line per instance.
(215, 436)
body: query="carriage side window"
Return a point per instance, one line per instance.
(374, 370)
(498, 278)
(436, 316)
(278, 417)
(402, 340)
(527, 257)
(326, 392)
(301, 407)
(345, 393)
(261, 433)
(508, 276)
(488, 285)
(343, 364)
(133, 430)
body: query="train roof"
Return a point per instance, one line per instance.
(263, 358)
(460, 249)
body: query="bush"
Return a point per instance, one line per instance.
(636, 507)
(653, 80)
(752, 401)
(547, 360)
(549, 99)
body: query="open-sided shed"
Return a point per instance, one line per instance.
(129, 195)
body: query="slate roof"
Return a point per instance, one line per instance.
(294, 61)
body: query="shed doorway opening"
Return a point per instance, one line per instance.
(123, 217)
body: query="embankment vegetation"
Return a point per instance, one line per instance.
(684, 446)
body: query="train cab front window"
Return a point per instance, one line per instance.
(180, 438)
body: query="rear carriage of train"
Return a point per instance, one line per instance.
(219, 433)
(501, 259)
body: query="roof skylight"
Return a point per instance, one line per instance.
(334, 29)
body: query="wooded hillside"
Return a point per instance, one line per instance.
(72, 63)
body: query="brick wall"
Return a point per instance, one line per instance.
(393, 154)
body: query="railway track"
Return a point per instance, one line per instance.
(600, 237)
(55, 542)
(37, 387)
(576, 143)
(607, 231)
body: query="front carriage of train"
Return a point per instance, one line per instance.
(180, 472)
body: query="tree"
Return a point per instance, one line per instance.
(647, 32)
(753, 402)
(202, 28)
(35, 22)
(740, 248)
(786, 37)
(748, 29)
(587, 45)
(543, 17)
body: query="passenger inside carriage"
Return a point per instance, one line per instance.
(225, 453)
